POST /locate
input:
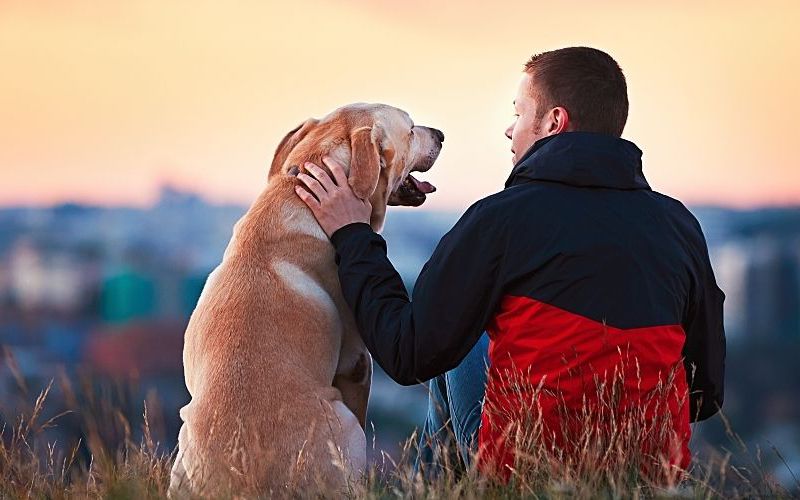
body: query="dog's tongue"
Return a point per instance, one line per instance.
(425, 187)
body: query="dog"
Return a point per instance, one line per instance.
(278, 375)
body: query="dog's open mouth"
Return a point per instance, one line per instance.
(411, 193)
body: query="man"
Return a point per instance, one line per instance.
(597, 292)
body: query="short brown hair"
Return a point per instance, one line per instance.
(587, 82)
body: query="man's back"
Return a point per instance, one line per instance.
(625, 256)
(603, 281)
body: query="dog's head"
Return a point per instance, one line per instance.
(378, 144)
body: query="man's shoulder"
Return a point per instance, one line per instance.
(682, 218)
(485, 214)
(529, 194)
(677, 209)
(492, 208)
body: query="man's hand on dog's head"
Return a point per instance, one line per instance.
(332, 201)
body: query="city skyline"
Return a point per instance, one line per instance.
(103, 103)
(124, 263)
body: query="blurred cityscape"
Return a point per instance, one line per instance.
(97, 299)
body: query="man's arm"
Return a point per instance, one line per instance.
(453, 299)
(704, 351)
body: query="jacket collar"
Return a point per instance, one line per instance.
(584, 159)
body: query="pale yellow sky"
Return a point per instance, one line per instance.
(103, 101)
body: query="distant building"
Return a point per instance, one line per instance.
(138, 349)
(773, 290)
(38, 280)
(731, 261)
(127, 295)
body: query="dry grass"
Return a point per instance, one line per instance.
(33, 467)
(30, 466)
(592, 461)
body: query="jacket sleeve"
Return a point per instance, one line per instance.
(454, 297)
(704, 351)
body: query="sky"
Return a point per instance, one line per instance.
(103, 102)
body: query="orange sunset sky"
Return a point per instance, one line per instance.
(103, 101)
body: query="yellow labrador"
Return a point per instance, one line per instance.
(277, 372)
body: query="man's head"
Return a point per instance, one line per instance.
(566, 90)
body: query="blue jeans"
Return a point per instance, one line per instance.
(450, 435)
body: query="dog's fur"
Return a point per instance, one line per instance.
(277, 372)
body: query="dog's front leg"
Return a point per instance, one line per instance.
(353, 379)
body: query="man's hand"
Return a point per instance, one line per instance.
(332, 201)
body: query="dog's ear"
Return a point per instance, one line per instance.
(365, 160)
(288, 143)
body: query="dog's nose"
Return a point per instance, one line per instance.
(438, 134)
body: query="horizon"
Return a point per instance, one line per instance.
(150, 204)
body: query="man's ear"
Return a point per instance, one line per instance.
(558, 121)
(292, 138)
(365, 160)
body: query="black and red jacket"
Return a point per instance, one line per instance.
(576, 269)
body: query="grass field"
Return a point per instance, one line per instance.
(32, 467)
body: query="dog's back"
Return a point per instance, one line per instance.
(261, 350)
